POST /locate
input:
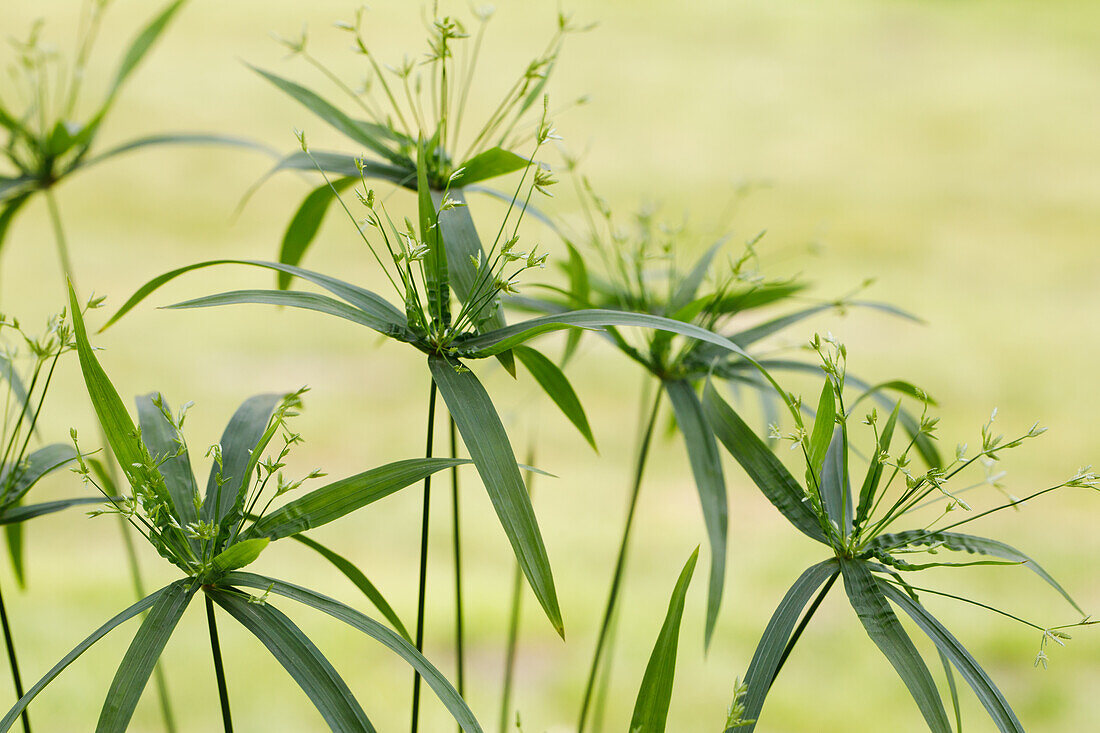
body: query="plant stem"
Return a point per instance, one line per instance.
(59, 236)
(14, 662)
(219, 670)
(802, 627)
(513, 622)
(112, 474)
(423, 560)
(620, 562)
(456, 533)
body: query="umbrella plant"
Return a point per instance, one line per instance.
(874, 556)
(47, 140)
(638, 268)
(210, 536)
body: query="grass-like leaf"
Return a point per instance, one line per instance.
(655, 694)
(160, 438)
(436, 280)
(133, 672)
(23, 512)
(886, 631)
(301, 659)
(238, 555)
(706, 467)
(488, 164)
(557, 387)
(487, 442)
(836, 491)
(39, 463)
(302, 229)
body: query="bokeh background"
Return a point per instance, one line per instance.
(949, 150)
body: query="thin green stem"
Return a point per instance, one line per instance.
(415, 725)
(513, 622)
(219, 670)
(59, 236)
(620, 562)
(9, 641)
(456, 534)
(802, 627)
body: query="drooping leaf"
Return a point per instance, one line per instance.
(431, 676)
(706, 467)
(389, 318)
(302, 229)
(179, 138)
(766, 471)
(655, 694)
(988, 694)
(22, 512)
(974, 545)
(866, 597)
(342, 497)
(488, 446)
(488, 164)
(836, 490)
(343, 165)
(773, 643)
(242, 442)
(333, 116)
(356, 576)
(301, 659)
(556, 385)
(133, 673)
(237, 555)
(41, 462)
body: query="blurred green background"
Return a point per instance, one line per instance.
(948, 149)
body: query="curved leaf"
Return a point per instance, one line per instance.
(488, 164)
(886, 631)
(356, 576)
(80, 648)
(43, 461)
(342, 497)
(178, 138)
(836, 491)
(23, 512)
(160, 438)
(988, 694)
(706, 467)
(766, 471)
(557, 387)
(344, 165)
(238, 555)
(655, 694)
(10, 208)
(874, 469)
(136, 666)
(773, 643)
(973, 545)
(301, 658)
(306, 222)
(488, 445)
(432, 676)
(689, 285)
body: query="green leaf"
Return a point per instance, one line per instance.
(874, 469)
(43, 461)
(305, 224)
(689, 286)
(178, 138)
(836, 491)
(886, 631)
(579, 290)
(22, 512)
(15, 384)
(133, 673)
(750, 336)
(757, 297)
(292, 299)
(772, 645)
(488, 445)
(655, 694)
(237, 555)
(342, 497)
(343, 165)
(824, 423)
(489, 164)
(436, 280)
(301, 659)
(242, 443)
(333, 116)
(160, 438)
(706, 467)
(766, 471)
(556, 385)
(974, 545)
(390, 320)
(988, 694)
(13, 534)
(10, 208)
(82, 647)
(356, 576)
(432, 676)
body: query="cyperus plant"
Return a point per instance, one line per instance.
(211, 536)
(873, 557)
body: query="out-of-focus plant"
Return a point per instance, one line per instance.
(210, 536)
(638, 268)
(47, 139)
(875, 559)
